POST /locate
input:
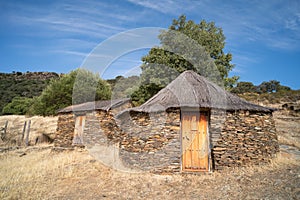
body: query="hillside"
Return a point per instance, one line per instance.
(272, 98)
(18, 84)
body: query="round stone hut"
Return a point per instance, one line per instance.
(193, 125)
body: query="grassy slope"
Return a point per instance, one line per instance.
(39, 125)
(75, 175)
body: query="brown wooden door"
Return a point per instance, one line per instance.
(78, 131)
(194, 141)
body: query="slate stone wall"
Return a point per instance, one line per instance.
(246, 138)
(65, 130)
(151, 142)
(101, 129)
(237, 138)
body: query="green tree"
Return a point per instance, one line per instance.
(76, 87)
(283, 88)
(89, 87)
(124, 87)
(186, 46)
(244, 87)
(269, 87)
(144, 93)
(18, 106)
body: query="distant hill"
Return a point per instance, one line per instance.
(31, 84)
(272, 98)
(18, 84)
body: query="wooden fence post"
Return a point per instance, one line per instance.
(23, 132)
(3, 134)
(27, 133)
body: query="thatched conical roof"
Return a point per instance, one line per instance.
(95, 105)
(190, 89)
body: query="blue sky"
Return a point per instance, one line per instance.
(262, 35)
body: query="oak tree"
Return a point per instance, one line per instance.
(186, 45)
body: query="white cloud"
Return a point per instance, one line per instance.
(93, 18)
(166, 6)
(293, 23)
(161, 6)
(75, 27)
(76, 53)
(264, 22)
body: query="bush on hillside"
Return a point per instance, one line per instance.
(78, 86)
(18, 106)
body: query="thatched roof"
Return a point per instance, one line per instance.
(190, 89)
(95, 105)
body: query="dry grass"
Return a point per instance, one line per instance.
(41, 174)
(34, 173)
(39, 125)
(288, 129)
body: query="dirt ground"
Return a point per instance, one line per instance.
(38, 173)
(42, 174)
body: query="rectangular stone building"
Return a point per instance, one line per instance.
(78, 120)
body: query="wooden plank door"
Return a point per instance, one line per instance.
(78, 131)
(194, 141)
